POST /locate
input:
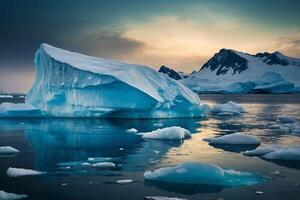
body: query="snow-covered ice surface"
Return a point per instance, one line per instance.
(16, 172)
(168, 133)
(203, 174)
(276, 153)
(234, 139)
(104, 165)
(229, 108)
(11, 196)
(69, 84)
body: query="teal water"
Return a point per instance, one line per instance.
(47, 144)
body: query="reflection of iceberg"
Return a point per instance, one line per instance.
(69, 84)
(70, 140)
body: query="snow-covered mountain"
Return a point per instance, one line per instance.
(230, 71)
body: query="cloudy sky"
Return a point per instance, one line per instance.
(182, 34)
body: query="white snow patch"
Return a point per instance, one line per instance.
(16, 172)
(6, 96)
(168, 133)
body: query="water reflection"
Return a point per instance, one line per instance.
(75, 140)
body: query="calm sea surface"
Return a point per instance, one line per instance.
(47, 144)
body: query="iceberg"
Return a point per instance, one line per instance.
(234, 139)
(203, 174)
(229, 108)
(16, 172)
(168, 133)
(276, 153)
(18, 110)
(11, 196)
(69, 84)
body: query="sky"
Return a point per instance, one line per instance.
(182, 34)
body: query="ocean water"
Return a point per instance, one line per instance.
(59, 146)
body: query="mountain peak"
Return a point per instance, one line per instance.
(170, 72)
(225, 60)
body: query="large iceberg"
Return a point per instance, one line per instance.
(69, 84)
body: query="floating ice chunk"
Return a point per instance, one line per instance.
(18, 110)
(229, 108)
(6, 96)
(162, 198)
(292, 153)
(104, 165)
(8, 150)
(274, 126)
(11, 196)
(202, 173)
(235, 138)
(158, 124)
(99, 159)
(70, 84)
(132, 130)
(260, 151)
(125, 181)
(286, 119)
(16, 172)
(169, 133)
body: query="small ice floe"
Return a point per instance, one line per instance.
(259, 192)
(260, 151)
(125, 181)
(104, 165)
(8, 150)
(169, 133)
(234, 138)
(202, 173)
(276, 172)
(286, 119)
(99, 159)
(274, 126)
(11, 196)
(21, 97)
(6, 96)
(158, 124)
(64, 184)
(229, 108)
(162, 198)
(16, 172)
(121, 149)
(276, 153)
(292, 153)
(132, 130)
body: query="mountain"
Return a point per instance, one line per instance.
(170, 72)
(230, 71)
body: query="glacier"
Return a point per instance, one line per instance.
(69, 84)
